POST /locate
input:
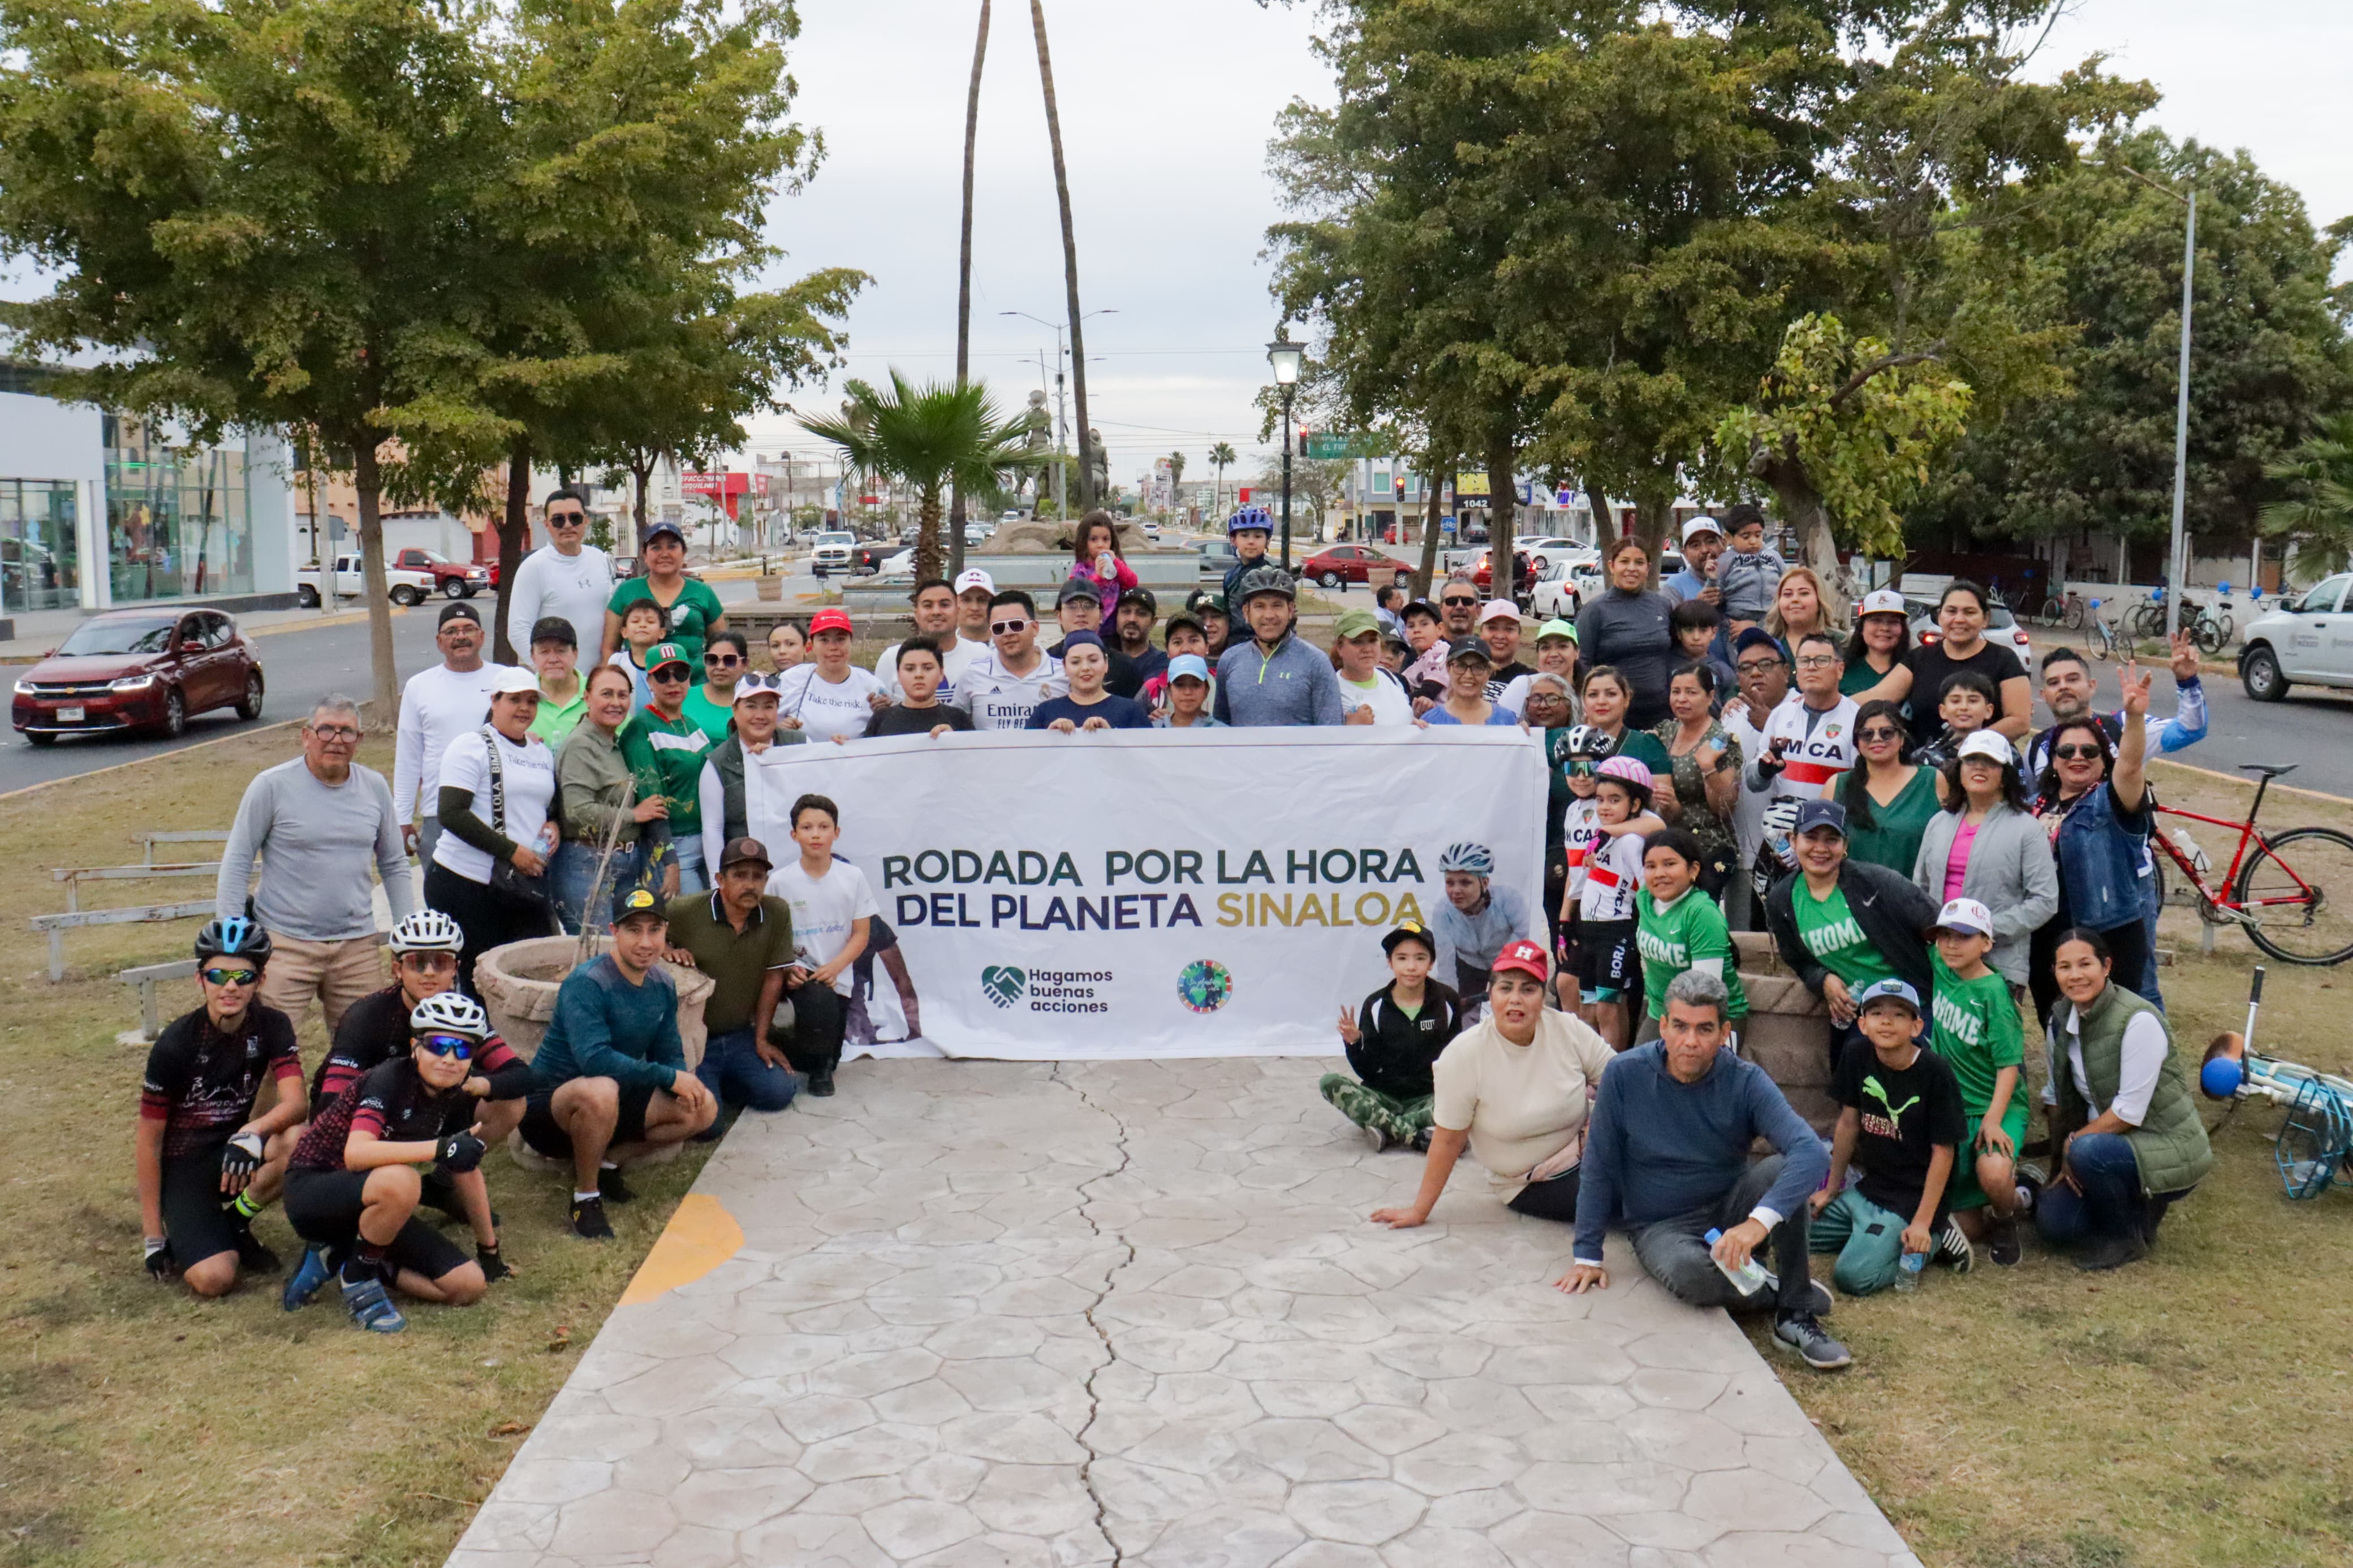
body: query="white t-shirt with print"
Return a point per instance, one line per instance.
(956, 658)
(1580, 830)
(530, 772)
(1000, 699)
(1384, 694)
(824, 709)
(824, 909)
(1613, 875)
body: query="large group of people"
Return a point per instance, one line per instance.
(1720, 760)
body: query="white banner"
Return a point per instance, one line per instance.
(1153, 893)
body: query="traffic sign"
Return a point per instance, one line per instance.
(1335, 444)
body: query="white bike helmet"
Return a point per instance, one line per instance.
(451, 1012)
(428, 930)
(1475, 858)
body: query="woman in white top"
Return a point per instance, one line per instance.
(479, 829)
(829, 699)
(1369, 694)
(1512, 1089)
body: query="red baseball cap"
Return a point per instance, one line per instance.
(831, 621)
(1524, 956)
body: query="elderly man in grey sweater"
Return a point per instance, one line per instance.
(315, 822)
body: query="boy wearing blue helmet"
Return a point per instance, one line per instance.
(1248, 530)
(206, 1164)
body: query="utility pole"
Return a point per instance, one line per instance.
(2182, 429)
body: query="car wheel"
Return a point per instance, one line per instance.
(1329, 579)
(452, 589)
(2259, 672)
(174, 723)
(404, 595)
(40, 738)
(249, 707)
(307, 596)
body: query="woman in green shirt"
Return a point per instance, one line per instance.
(1882, 628)
(694, 610)
(1889, 802)
(726, 660)
(1607, 697)
(1679, 927)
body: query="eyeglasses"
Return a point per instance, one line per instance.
(2077, 753)
(231, 976)
(335, 733)
(1816, 660)
(722, 660)
(457, 1046)
(1879, 733)
(1006, 628)
(1752, 666)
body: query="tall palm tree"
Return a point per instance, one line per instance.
(1176, 475)
(1221, 457)
(929, 437)
(963, 273)
(1069, 261)
(2317, 516)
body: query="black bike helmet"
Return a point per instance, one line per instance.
(235, 937)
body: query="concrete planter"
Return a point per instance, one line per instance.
(1787, 1031)
(770, 587)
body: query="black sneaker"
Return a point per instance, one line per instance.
(1422, 1142)
(2112, 1252)
(1378, 1139)
(611, 1187)
(252, 1255)
(820, 1083)
(1951, 1248)
(492, 1263)
(1800, 1333)
(2002, 1242)
(588, 1221)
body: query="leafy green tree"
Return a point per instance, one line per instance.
(931, 437)
(2315, 519)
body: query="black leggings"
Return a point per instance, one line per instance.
(1556, 1199)
(2127, 948)
(814, 1043)
(487, 920)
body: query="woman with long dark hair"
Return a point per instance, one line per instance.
(1626, 626)
(1881, 629)
(2094, 802)
(1986, 844)
(1888, 801)
(1705, 763)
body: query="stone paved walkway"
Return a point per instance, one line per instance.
(1010, 1314)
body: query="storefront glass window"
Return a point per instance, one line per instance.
(176, 521)
(40, 567)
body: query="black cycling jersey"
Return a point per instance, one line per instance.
(394, 1102)
(376, 1030)
(202, 1082)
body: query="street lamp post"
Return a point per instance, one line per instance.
(1286, 357)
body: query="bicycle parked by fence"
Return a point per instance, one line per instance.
(2292, 894)
(2101, 639)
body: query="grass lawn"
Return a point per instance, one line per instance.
(2192, 1410)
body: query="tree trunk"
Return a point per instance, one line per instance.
(1651, 515)
(1070, 261)
(1801, 507)
(1605, 524)
(1503, 517)
(927, 535)
(514, 534)
(367, 481)
(1431, 512)
(964, 274)
(641, 470)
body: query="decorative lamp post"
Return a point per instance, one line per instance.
(1286, 357)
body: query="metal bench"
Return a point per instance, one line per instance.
(73, 877)
(147, 841)
(151, 1020)
(57, 925)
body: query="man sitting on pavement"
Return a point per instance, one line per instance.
(1667, 1156)
(317, 823)
(610, 1079)
(743, 941)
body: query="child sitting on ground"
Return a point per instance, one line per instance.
(1900, 1122)
(1976, 1031)
(1392, 1041)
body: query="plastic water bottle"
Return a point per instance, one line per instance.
(1907, 1272)
(1748, 1278)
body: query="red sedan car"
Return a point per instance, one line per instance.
(1346, 563)
(139, 669)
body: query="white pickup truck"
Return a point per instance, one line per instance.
(404, 584)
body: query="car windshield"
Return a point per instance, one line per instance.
(836, 539)
(430, 557)
(102, 637)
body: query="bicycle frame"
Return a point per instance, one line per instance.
(2249, 835)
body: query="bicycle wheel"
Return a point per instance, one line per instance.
(2073, 614)
(2098, 641)
(2209, 635)
(2296, 892)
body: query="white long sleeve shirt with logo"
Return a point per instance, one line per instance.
(1818, 745)
(1613, 875)
(570, 588)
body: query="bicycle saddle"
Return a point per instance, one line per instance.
(2269, 770)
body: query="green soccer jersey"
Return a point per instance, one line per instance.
(1831, 933)
(1674, 938)
(679, 751)
(692, 615)
(1979, 1032)
(708, 716)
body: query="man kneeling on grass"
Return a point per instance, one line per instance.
(611, 1076)
(353, 1187)
(1667, 1155)
(1901, 1122)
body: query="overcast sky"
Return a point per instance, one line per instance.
(1165, 113)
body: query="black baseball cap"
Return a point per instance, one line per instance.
(554, 629)
(1182, 618)
(628, 903)
(458, 610)
(1409, 931)
(1073, 591)
(746, 852)
(1140, 596)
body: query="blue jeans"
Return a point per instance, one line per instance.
(732, 1069)
(2110, 1204)
(692, 876)
(572, 874)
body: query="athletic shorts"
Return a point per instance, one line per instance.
(545, 1133)
(1607, 965)
(323, 1207)
(193, 1218)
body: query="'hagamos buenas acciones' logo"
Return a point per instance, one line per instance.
(1003, 984)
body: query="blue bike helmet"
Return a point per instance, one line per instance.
(1246, 518)
(235, 937)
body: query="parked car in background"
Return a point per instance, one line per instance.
(2306, 639)
(1217, 558)
(1347, 563)
(624, 567)
(2002, 629)
(1542, 549)
(867, 559)
(831, 551)
(1555, 593)
(138, 670)
(403, 584)
(452, 579)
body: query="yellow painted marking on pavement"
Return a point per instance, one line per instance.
(700, 1237)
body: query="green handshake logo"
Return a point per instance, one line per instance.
(1003, 984)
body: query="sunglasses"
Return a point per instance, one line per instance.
(668, 675)
(1458, 603)
(566, 520)
(2076, 753)
(1006, 628)
(722, 660)
(1583, 770)
(457, 1046)
(231, 976)
(1878, 734)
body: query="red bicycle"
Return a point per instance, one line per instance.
(2277, 889)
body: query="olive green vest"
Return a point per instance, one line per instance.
(2170, 1144)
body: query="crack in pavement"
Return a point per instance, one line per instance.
(1111, 1353)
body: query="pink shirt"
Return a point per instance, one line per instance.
(1957, 861)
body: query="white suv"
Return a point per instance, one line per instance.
(831, 553)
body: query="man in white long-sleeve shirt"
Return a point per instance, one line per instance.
(315, 822)
(437, 706)
(564, 577)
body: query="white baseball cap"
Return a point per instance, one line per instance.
(1702, 524)
(512, 679)
(1499, 610)
(973, 578)
(1988, 743)
(1966, 915)
(1883, 601)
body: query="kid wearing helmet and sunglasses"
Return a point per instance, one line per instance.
(1607, 922)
